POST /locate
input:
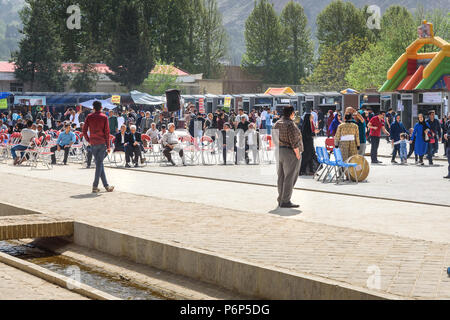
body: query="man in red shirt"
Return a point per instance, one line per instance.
(376, 124)
(98, 138)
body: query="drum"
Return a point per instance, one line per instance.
(362, 170)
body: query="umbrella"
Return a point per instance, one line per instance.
(349, 91)
(106, 104)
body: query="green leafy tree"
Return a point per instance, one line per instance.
(158, 83)
(174, 22)
(213, 40)
(298, 41)
(441, 24)
(334, 63)
(370, 68)
(86, 76)
(338, 22)
(131, 57)
(38, 59)
(265, 54)
(398, 30)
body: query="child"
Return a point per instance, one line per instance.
(403, 148)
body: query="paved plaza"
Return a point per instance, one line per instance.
(337, 234)
(19, 285)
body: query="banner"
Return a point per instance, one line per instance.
(227, 104)
(3, 104)
(30, 100)
(115, 99)
(201, 105)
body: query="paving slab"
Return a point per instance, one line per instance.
(400, 248)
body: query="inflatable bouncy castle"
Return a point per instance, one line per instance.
(421, 71)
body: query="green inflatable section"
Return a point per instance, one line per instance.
(393, 83)
(442, 69)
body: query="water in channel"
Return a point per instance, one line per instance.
(117, 286)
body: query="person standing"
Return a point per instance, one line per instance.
(397, 128)
(309, 154)
(435, 127)
(288, 139)
(376, 124)
(361, 123)
(98, 126)
(347, 137)
(447, 138)
(420, 138)
(113, 123)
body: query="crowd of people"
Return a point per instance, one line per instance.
(352, 132)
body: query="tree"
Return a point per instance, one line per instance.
(441, 24)
(370, 68)
(213, 39)
(398, 30)
(334, 63)
(158, 83)
(86, 76)
(38, 59)
(174, 22)
(131, 57)
(298, 41)
(264, 43)
(338, 22)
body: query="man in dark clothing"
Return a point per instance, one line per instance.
(397, 128)
(243, 124)
(98, 126)
(133, 143)
(447, 138)
(435, 126)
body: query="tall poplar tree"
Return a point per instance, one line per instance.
(131, 57)
(213, 39)
(265, 54)
(298, 41)
(38, 59)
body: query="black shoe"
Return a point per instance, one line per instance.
(136, 165)
(393, 161)
(289, 205)
(173, 163)
(127, 166)
(447, 177)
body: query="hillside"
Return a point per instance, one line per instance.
(9, 24)
(235, 12)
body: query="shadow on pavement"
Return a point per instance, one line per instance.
(286, 212)
(86, 196)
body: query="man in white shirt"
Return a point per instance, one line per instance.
(27, 136)
(263, 118)
(153, 133)
(170, 143)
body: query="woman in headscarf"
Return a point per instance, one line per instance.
(335, 124)
(330, 119)
(347, 137)
(309, 154)
(421, 140)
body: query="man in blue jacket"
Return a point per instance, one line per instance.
(65, 141)
(397, 128)
(447, 138)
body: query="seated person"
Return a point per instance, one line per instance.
(170, 143)
(133, 143)
(27, 136)
(153, 133)
(119, 144)
(65, 141)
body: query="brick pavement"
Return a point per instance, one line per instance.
(408, 267)
(19, 285)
